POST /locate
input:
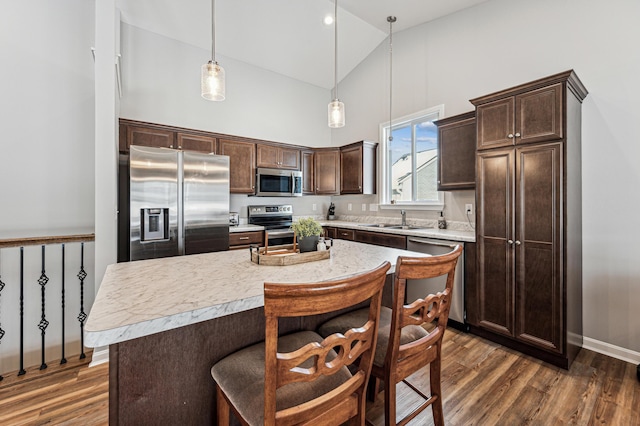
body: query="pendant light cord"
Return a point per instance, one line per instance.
(335, 51)
(391, 20)
(213, 31)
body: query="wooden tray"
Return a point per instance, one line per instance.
(287, 254)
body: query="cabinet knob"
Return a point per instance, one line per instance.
(517, 135)
(179, 146)
(518, 243)
(510, 135)
(510, 242)
(170, 146)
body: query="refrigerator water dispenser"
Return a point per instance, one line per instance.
(155, 224)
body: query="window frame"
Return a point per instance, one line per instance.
(384, 200)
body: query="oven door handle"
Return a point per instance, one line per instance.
(277, 233)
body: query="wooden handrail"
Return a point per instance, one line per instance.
(56, 239)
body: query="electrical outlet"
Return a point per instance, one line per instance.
(364, 207)
(314, 207)
(349, 206)
(468, 208)
(373, 207)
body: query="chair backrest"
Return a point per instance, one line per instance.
(409, 357)
(296, 300)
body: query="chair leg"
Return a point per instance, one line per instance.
(222, 408)
(434, 378)
(389, 401)
(373, 388)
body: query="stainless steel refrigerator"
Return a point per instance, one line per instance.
(178, 202)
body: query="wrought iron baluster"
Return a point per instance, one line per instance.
(43, 324)
(2, 332)
(82, 316)
(21, 371)
(63, 360)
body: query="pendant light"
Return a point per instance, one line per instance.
(336, 108)
(212, 78)
(391, 20)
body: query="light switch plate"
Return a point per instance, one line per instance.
(364, 207)
(349, 206)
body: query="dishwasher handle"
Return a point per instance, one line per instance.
(440, 243)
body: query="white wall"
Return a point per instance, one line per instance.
(46, 162)
(162, 85)
(503, 43)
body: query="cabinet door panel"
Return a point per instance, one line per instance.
(494, 223)
(308, 178)
(327, 172)
(495, 123)
(149, 136)
(206, 144)
(539, 281)
(266, 156)
(351, 170)
(539, 115)
(242, 172)
(457, 155)
(290, 159)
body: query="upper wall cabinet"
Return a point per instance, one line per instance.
(308, 172)
(532, 115)
(327, 171)
(358, 168)
(158, 136)
(457, 152)
(242, 170)
(277, 157)
(142, 135)
(193, 142)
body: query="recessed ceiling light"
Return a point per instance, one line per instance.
(328, 20)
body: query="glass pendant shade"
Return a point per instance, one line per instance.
(212, 82)
(336, 113)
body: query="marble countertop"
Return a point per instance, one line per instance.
(143, 297)
(245, 228)
(441, 234)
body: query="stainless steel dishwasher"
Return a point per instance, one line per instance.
(421, 288)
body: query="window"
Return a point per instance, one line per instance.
(410, 161)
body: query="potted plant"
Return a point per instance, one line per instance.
(308, 231)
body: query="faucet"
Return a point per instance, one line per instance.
(404, 217)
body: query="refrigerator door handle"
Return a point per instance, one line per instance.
(181, 203)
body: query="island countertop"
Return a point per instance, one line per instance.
(144, 297)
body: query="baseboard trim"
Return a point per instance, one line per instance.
(611, 350)
(100, 356)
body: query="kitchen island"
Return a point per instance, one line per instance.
(167, 321)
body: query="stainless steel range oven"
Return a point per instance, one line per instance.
(276, 220)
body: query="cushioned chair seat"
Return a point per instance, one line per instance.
(241, 377)
(352, 319)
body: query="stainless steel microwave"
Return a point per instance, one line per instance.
(278, 183)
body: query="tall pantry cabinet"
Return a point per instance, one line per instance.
(529, 219)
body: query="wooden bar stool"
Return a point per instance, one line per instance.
(302, 378)
(404, 345)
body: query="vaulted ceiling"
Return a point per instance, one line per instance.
(286, 36)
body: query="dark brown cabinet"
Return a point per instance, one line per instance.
(327, 171)
(330, 232)
(242, 160)
(140, 135)
(381, 239)
(277, 157)
(457, 152)
(241, 240)
(159, 136)
(358, 168)
(308, 173)
(531, 115)
(529, 244)
(193, 142)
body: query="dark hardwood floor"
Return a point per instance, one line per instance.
(483, 384)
